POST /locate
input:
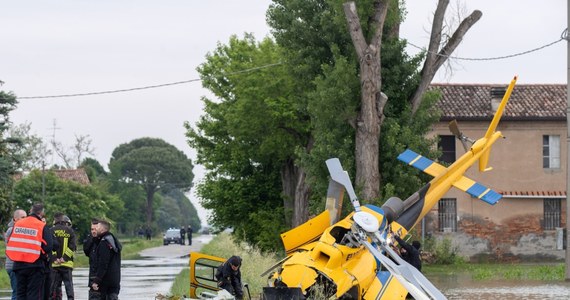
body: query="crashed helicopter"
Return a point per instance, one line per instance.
(351, 258)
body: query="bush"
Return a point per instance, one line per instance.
(442, 252)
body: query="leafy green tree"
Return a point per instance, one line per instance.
(31, 149)
(188, 213)
(283, 122)
(318, 32)
(9, 160)
(152, 164)
(247, 141)
(93, 168)
(80, 202)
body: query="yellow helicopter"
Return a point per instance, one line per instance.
(352, 258)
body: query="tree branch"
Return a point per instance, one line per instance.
(435, 58)
(380, 11)
(355, 29)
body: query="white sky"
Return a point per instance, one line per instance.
(67, 47)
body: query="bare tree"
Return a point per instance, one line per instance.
(32, 149)
(371, 114)
(72, 156)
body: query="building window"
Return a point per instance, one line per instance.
(447, 146)
(447, 213)
(552, 213)
(551, 151)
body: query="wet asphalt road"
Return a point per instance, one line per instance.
(144, 278)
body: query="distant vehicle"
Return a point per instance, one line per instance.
(204, 230)
(172, 235)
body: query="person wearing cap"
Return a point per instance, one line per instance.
(62, 261)
(228, 276)
(410, 253)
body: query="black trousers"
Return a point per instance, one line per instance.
(59, 275)
(31, 283)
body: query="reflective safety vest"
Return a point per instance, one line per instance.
(25, 243)
(63, 234)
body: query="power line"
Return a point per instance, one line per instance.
(563, 36)
(145, 87)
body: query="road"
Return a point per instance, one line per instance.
(144, 278)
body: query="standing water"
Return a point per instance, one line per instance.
(143, 278)
(465, 288)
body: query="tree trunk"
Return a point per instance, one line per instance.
(296, 194)
(149, 199)
(371, 108)
(371, 112)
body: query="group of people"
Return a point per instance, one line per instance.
(188, 231)
(39, 258)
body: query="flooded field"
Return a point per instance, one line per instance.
(463, 287)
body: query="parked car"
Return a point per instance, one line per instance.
(172, 235)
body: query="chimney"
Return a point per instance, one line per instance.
(497, 94)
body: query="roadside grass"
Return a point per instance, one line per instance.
(254, 263)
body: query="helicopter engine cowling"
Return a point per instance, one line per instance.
(393, 207)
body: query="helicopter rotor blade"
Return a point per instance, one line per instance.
(339, 175)
(454, 128)
(410, 277)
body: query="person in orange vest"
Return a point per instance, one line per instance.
(18, 215)
(30, 246)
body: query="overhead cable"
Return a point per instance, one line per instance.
(563, 36)
(144, 87)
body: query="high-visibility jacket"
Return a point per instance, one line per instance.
(25, 243)
(65, 239)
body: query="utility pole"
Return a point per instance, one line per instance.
(43, 181)
(567, 140)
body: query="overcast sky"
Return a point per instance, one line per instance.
(68, 47)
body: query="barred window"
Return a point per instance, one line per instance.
(552, 213)
(447, 213)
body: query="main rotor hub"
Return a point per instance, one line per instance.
(366, 221)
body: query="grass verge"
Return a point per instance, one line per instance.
(253, 264)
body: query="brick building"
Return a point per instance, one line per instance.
(529, 170)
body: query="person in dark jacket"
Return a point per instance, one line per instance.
(30, 246)
(189, 233)
(410, 253)
(63, 254)
(228, 276)
(106, 276)
(182, 236)
(89, 246)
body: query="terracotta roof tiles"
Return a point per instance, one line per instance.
(528, 101)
